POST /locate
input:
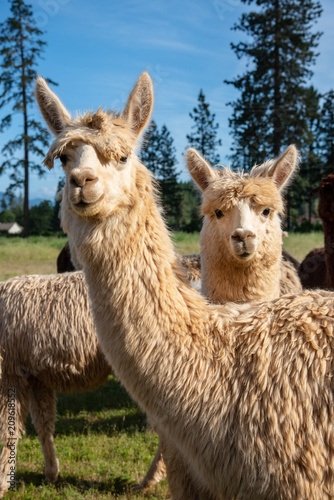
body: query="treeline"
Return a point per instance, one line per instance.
(44, 218)
(277, 106)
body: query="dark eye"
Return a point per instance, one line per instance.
(123, 159)
(63, 159)
(219, 214)
(266, 212)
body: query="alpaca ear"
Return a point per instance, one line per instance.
(199, 169)
(138, 109)
(284, 167)
(54, 112)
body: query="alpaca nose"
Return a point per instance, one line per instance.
(82, 179)
(243, 234)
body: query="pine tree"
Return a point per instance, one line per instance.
(56, 209)
(204, 136)
(312, 165)
(159, 156)
(168, 177)
(270, 113)
(149, 152)
(21, 47)
(326, 133)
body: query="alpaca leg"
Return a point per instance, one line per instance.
(14, 401)
(181, 482)
(43, 414)
(155, 473)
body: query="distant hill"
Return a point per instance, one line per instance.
(32, 203)
(36, 201)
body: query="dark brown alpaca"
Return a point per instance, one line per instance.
(317, 269)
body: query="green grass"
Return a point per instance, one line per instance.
(186, 243)
(299, 244)
(35, 255)
(38, 255)
(103, 448)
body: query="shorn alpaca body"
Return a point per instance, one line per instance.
(241, 238)
(48, 344)
(243, 392)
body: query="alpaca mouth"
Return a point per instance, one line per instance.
(241, 252)
(84, 205)
(245, 255)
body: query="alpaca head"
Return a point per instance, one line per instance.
(97, 150)
(242, 210)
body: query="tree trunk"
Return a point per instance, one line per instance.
(26, 147)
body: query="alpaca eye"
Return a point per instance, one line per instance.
(219, 214)
(123, 159)
(266, 212)
(63, 159)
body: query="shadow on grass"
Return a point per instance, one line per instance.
(114, 485)
(111, 396)
(136, 421)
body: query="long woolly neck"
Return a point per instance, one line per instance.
(150, 322)
(224, 279)
(329, 252)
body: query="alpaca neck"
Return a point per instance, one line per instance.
(224, 279)
(149, 321)
(329, 252)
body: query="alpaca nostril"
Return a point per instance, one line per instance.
(82, 181)
(74, 182)
(250, 236)
(235, 237)
(91, 180)
(243, 234)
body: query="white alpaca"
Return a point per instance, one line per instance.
(243, 393)
(241, 238)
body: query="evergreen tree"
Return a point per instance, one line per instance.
(41, 218)
(326, 133)
(191, 219)
(55, 223)
(159, 156)
(312, 165)
(274, 110)
(149, 153)
(270, 113)
(168, 177)
(204, 136)
(7, 216)
(21, 47)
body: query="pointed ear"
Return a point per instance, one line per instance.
(138, 109)
(199, 169)
(284, 167)
(53, 111)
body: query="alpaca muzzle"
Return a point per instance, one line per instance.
(244, 244)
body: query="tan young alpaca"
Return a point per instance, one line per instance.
(242, 393)
(241, 238)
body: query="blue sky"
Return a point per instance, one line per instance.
(96, 50)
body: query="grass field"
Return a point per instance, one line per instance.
(103, 447)
(102, 441)
(38, 255)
